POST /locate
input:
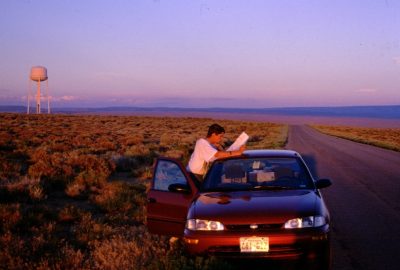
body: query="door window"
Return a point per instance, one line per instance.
(168, 173)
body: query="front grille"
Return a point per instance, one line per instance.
(246, 227)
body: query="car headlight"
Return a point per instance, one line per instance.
(204, 225)
(305, 222)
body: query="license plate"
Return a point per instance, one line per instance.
(254, 244)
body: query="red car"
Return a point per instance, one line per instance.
(264, 203)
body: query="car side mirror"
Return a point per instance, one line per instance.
(323, 183)
(180, 188)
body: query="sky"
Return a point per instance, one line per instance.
(246, 54)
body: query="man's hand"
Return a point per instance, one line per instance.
(241, 149)
(223, 154)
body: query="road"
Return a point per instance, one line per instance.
(364, 200)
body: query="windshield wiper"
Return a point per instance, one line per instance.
(224, 189)
(244, 188)
(265, 187)
(229, 187)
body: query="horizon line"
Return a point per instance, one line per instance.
(201, 108)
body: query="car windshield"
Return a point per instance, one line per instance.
(258, 174)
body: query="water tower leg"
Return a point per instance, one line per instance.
(29, 95)
(38, 99)
(48, 99)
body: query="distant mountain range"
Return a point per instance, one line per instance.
(383, 112)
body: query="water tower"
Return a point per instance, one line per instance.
(39, 74)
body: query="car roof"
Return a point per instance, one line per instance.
(270, 153)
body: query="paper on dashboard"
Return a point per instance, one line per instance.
(241, 140)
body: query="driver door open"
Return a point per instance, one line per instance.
(172, 191)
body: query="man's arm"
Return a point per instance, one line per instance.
(224, 154)
(219, 147)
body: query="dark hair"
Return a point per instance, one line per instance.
(215, 128)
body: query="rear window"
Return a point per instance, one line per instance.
(244, 174)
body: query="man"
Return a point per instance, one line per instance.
(208, 149)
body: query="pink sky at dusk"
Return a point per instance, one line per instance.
(203, 53)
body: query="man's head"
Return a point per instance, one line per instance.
(215, 133)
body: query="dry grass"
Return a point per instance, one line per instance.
(388, 138)
(73, 188)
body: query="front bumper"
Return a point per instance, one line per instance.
(283, 244)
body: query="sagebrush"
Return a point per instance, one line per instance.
(73, 188)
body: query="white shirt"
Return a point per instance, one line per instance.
(203, 154)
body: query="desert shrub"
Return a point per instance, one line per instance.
(255, 138)
(40, 154)
(64, 170)
(63, 205)
(124, 163)
(388, 138)
(147, 159)
(121, 198)
(42, 241)
(12, 165)
(169, 139)
(81, 141)
(25, 188)
(61, 147)
(34, 216)
(75, 189)
(138, 163)
(36, 192)
(6, 142)
(136, 248)
(144, 174)
(42, 168)
(65, 258)
(24, 252)
(69, 213)
(134, 139)
(174, 153)
(137, 150)
(9, 169)
(90, 162)
(34, 142)
(88, 229)
(116, 253)
(11, 247)
(103, 144)
(85, 183)
(9, 216)
(91, 173)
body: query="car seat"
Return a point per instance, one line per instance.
(235, 172)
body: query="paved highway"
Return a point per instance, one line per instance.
(364, 199)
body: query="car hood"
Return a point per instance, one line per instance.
(243, 207)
